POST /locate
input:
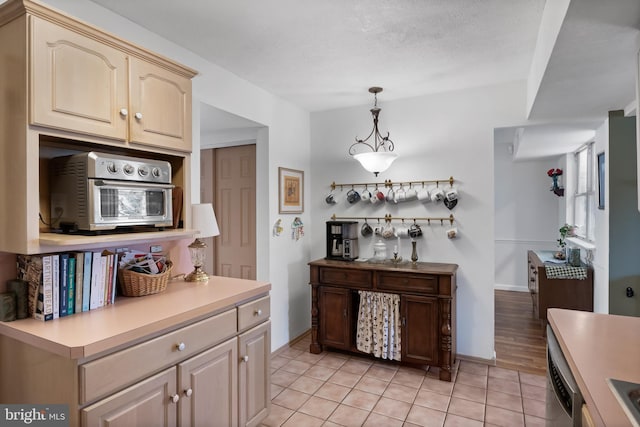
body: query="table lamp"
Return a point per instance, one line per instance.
(203, 219)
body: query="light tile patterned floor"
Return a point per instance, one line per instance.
(334, 389)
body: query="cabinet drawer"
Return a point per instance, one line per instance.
(408, 283)
(343, 276)
(103, 376)
(254, 312)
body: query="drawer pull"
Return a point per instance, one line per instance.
(257, 312)
(181, 346)
(188, 392)
(245, 359)
(174, 398)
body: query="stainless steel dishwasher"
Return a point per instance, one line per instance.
(564, 400)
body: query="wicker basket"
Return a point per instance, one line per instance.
(134, 284)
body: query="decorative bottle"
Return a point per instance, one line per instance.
(414, 252)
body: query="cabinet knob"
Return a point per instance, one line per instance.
(188, 392)
(174, 398)
(258, 312)
(344, 312)
(181, 346)
(404, 321)
(124, 112)
(245, 358)
(138, 116)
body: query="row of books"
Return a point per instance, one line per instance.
(62, 284)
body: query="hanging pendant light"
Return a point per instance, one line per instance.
(381, 155)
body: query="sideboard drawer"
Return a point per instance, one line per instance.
(344, 276)
(253, 313)
(103, 376)
(407, 283)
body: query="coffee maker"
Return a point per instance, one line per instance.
(342, 240)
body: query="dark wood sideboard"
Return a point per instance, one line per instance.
(427, 304)
(573, 294)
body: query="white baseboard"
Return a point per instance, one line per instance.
(516, 288)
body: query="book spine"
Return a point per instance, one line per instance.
(71, 279)
(44, 306)
(101, 279)
(115, 278)
(55, 275)
(95, 277)
(64, 284)
(78, 280)
(86, 281)
(109, 280)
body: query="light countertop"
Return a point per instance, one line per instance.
(132, 318)
(597, 347)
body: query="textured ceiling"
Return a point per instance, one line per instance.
(325, 54)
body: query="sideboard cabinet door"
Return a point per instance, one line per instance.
(335, 315)
(419, 329)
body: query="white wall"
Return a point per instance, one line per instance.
(526, 215)
(438, 136)
(601, 253)
(288, 126)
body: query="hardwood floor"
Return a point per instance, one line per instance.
(519, 337)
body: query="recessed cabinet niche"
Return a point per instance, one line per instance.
(71, 82)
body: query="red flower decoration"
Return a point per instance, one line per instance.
(554, 172)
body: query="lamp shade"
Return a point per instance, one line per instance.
(203, 219)
(377, 161)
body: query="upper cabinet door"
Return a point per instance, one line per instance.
(160, 106)
(77, 83)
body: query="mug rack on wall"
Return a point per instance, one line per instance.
(389, 218)
(388, 183)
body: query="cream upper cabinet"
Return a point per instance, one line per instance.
(77, 83)
(83, 84)
(160, 107)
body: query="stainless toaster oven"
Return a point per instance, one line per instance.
(97, 191)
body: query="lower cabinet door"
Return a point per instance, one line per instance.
(334, 312)
(254, 375)
(208, 385)
(147, 403)
(419, 329)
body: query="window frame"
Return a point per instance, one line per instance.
(587, 232)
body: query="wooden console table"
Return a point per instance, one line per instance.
(427, 304)
(546, 292)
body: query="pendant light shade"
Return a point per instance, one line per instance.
(376, 162)
(377, 155)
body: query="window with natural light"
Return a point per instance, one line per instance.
(584, 199)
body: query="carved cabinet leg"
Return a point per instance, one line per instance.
(314, 347)
(445, 340)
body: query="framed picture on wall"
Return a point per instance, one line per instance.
(291, 191)
(601, 175)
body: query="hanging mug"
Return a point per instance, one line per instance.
(366, 229)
